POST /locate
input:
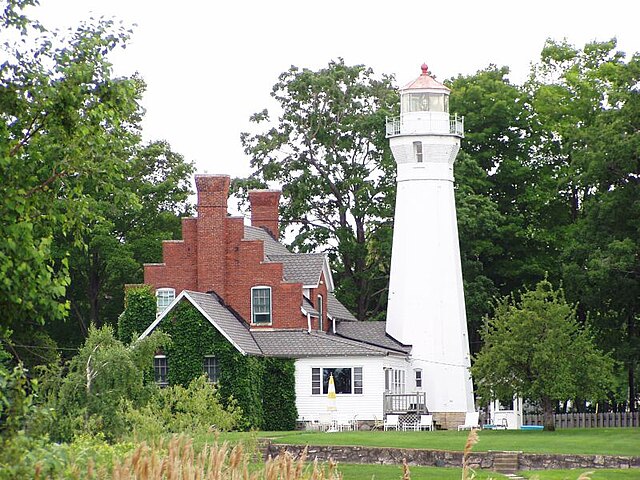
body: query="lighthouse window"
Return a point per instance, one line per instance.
(417, 151)
(436, 103)
(425, 102)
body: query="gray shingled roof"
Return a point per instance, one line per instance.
(308, 306)
(233, 328)
(300, 343)
(337, 310)
(373, 333)
(305, 268)
(271, 246)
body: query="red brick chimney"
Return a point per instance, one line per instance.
(212, 213)
(264, 210)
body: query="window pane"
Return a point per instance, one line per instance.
(415, 102)
(341, 378)
(315, 381)
(160, 370)
(436, 102)
(164, 297)
(211, 368)
(261, 305)
(357, 380)
(321, 313)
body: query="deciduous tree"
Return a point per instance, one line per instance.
(534, 347)
(329, 153)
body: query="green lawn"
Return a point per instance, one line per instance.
(603, 441)
(393, 472)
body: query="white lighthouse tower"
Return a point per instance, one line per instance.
(426, 299)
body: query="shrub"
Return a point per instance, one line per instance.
(103, 375)
(176, 409)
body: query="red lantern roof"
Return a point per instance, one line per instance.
(425, 81)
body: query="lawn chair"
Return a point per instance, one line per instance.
(471, 421)
(377, 423)
(392, 422)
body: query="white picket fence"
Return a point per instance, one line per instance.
(588, 420)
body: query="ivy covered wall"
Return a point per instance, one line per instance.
(263, 387)
(139, 312)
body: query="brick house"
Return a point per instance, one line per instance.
(267, 301)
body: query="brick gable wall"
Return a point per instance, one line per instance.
(213, 256)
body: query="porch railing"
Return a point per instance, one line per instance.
(405, 403)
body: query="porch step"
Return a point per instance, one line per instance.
(506, 462)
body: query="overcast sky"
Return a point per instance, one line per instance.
(209, 65)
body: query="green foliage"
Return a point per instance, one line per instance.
(20, 413)
(103, 374)
(176, 409)
(263, 389)
(192, 338)
(63, 118)
(535, 348)
(279, 394)
(24, 456)
(330, 153)
(139, 312)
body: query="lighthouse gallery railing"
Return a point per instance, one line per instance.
(396, 126)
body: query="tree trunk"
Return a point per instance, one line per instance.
(548, 417)
(93, 287)
(631, 333)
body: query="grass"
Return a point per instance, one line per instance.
(394, 472)
(601, 474)
(601, 441)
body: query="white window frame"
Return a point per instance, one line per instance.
(418, 152)
(320, 312)
(156, 369)
(357, 380)
(254, 313)
(418, 377)
(215, 366)
(164, 297)
(394, 380)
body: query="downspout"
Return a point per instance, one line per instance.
(304, 312)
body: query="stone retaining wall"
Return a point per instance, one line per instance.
(443, 458)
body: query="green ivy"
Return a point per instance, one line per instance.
(279, 394)
(139, 313)
(264, 388)
(193, 337)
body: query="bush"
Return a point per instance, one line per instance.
(176, 409)
(103, 375)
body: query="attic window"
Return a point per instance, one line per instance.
(261, 305)
(164, 297)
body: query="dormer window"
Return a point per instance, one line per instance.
(164, 297)
(261, 305)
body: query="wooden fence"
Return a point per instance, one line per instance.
(588, 420)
